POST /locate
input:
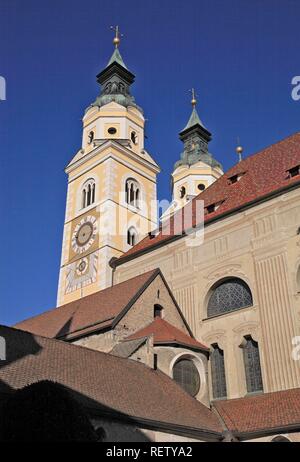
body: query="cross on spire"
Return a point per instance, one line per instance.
(117, 37)
(193, 100)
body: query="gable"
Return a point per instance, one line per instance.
(141, 313)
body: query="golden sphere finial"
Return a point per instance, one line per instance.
(116, 41)
(239, 150)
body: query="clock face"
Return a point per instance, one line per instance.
(84, 234)
(81, 273)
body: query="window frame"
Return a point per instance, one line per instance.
(212, 312)
(88, 193)
(134, 235)
(132, 193)
(249, 367)
(189, 360)
(217, 370)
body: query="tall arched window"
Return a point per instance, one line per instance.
(131, 236)
(186, 374)
(132, 192)
(252, 365)
(218, 372)
(88, 193)
(229, 295)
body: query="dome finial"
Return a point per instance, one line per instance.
(239, 149)
(117, 39)
(193, 100)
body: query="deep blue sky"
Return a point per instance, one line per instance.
(239, 54)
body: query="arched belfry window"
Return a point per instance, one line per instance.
(218, 372)
(132, 192)
(186, 374)
(88, 193)
(252, 364)
(131, 236)
(229, 295)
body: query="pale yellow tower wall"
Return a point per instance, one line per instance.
(108, 161)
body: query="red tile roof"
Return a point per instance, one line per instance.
(165, 333)
(261, 412)
(94, 312)
(262, 174)
(103, 382)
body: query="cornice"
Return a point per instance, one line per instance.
(111, 144)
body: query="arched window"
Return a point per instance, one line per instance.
(158, 311)
(131, 236)
(186, 374)
(88, 193)
(252, 365)
(218, 372)
(182, 192)
(133, 137)
(132, 192)
(91, 137)
(229, 295)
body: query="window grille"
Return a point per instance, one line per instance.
(231, 294)
(186, 374)
(218, 372)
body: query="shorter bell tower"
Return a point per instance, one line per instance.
(197, 169)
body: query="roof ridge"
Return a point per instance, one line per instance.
(71, 345)
(257, 395)
(77, 302)
(261, 151)
(264, 178)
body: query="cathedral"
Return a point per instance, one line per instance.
(184, 327)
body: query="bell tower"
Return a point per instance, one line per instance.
(111, 197)
(197, 169)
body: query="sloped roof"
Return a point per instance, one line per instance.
(165, 333)
(193, 120)
(116, 57)
(261, 412)
(108, 383)
(87, 314)
(261, 175)
(126, 349)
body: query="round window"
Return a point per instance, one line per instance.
(186, 374)
(112, 130)
(201, 186)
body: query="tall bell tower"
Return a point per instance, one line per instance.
(111, 197)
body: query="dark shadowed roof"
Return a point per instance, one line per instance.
(259, 176)
(261, 412)
(90, 313)
(108, 383)
(165, 333)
